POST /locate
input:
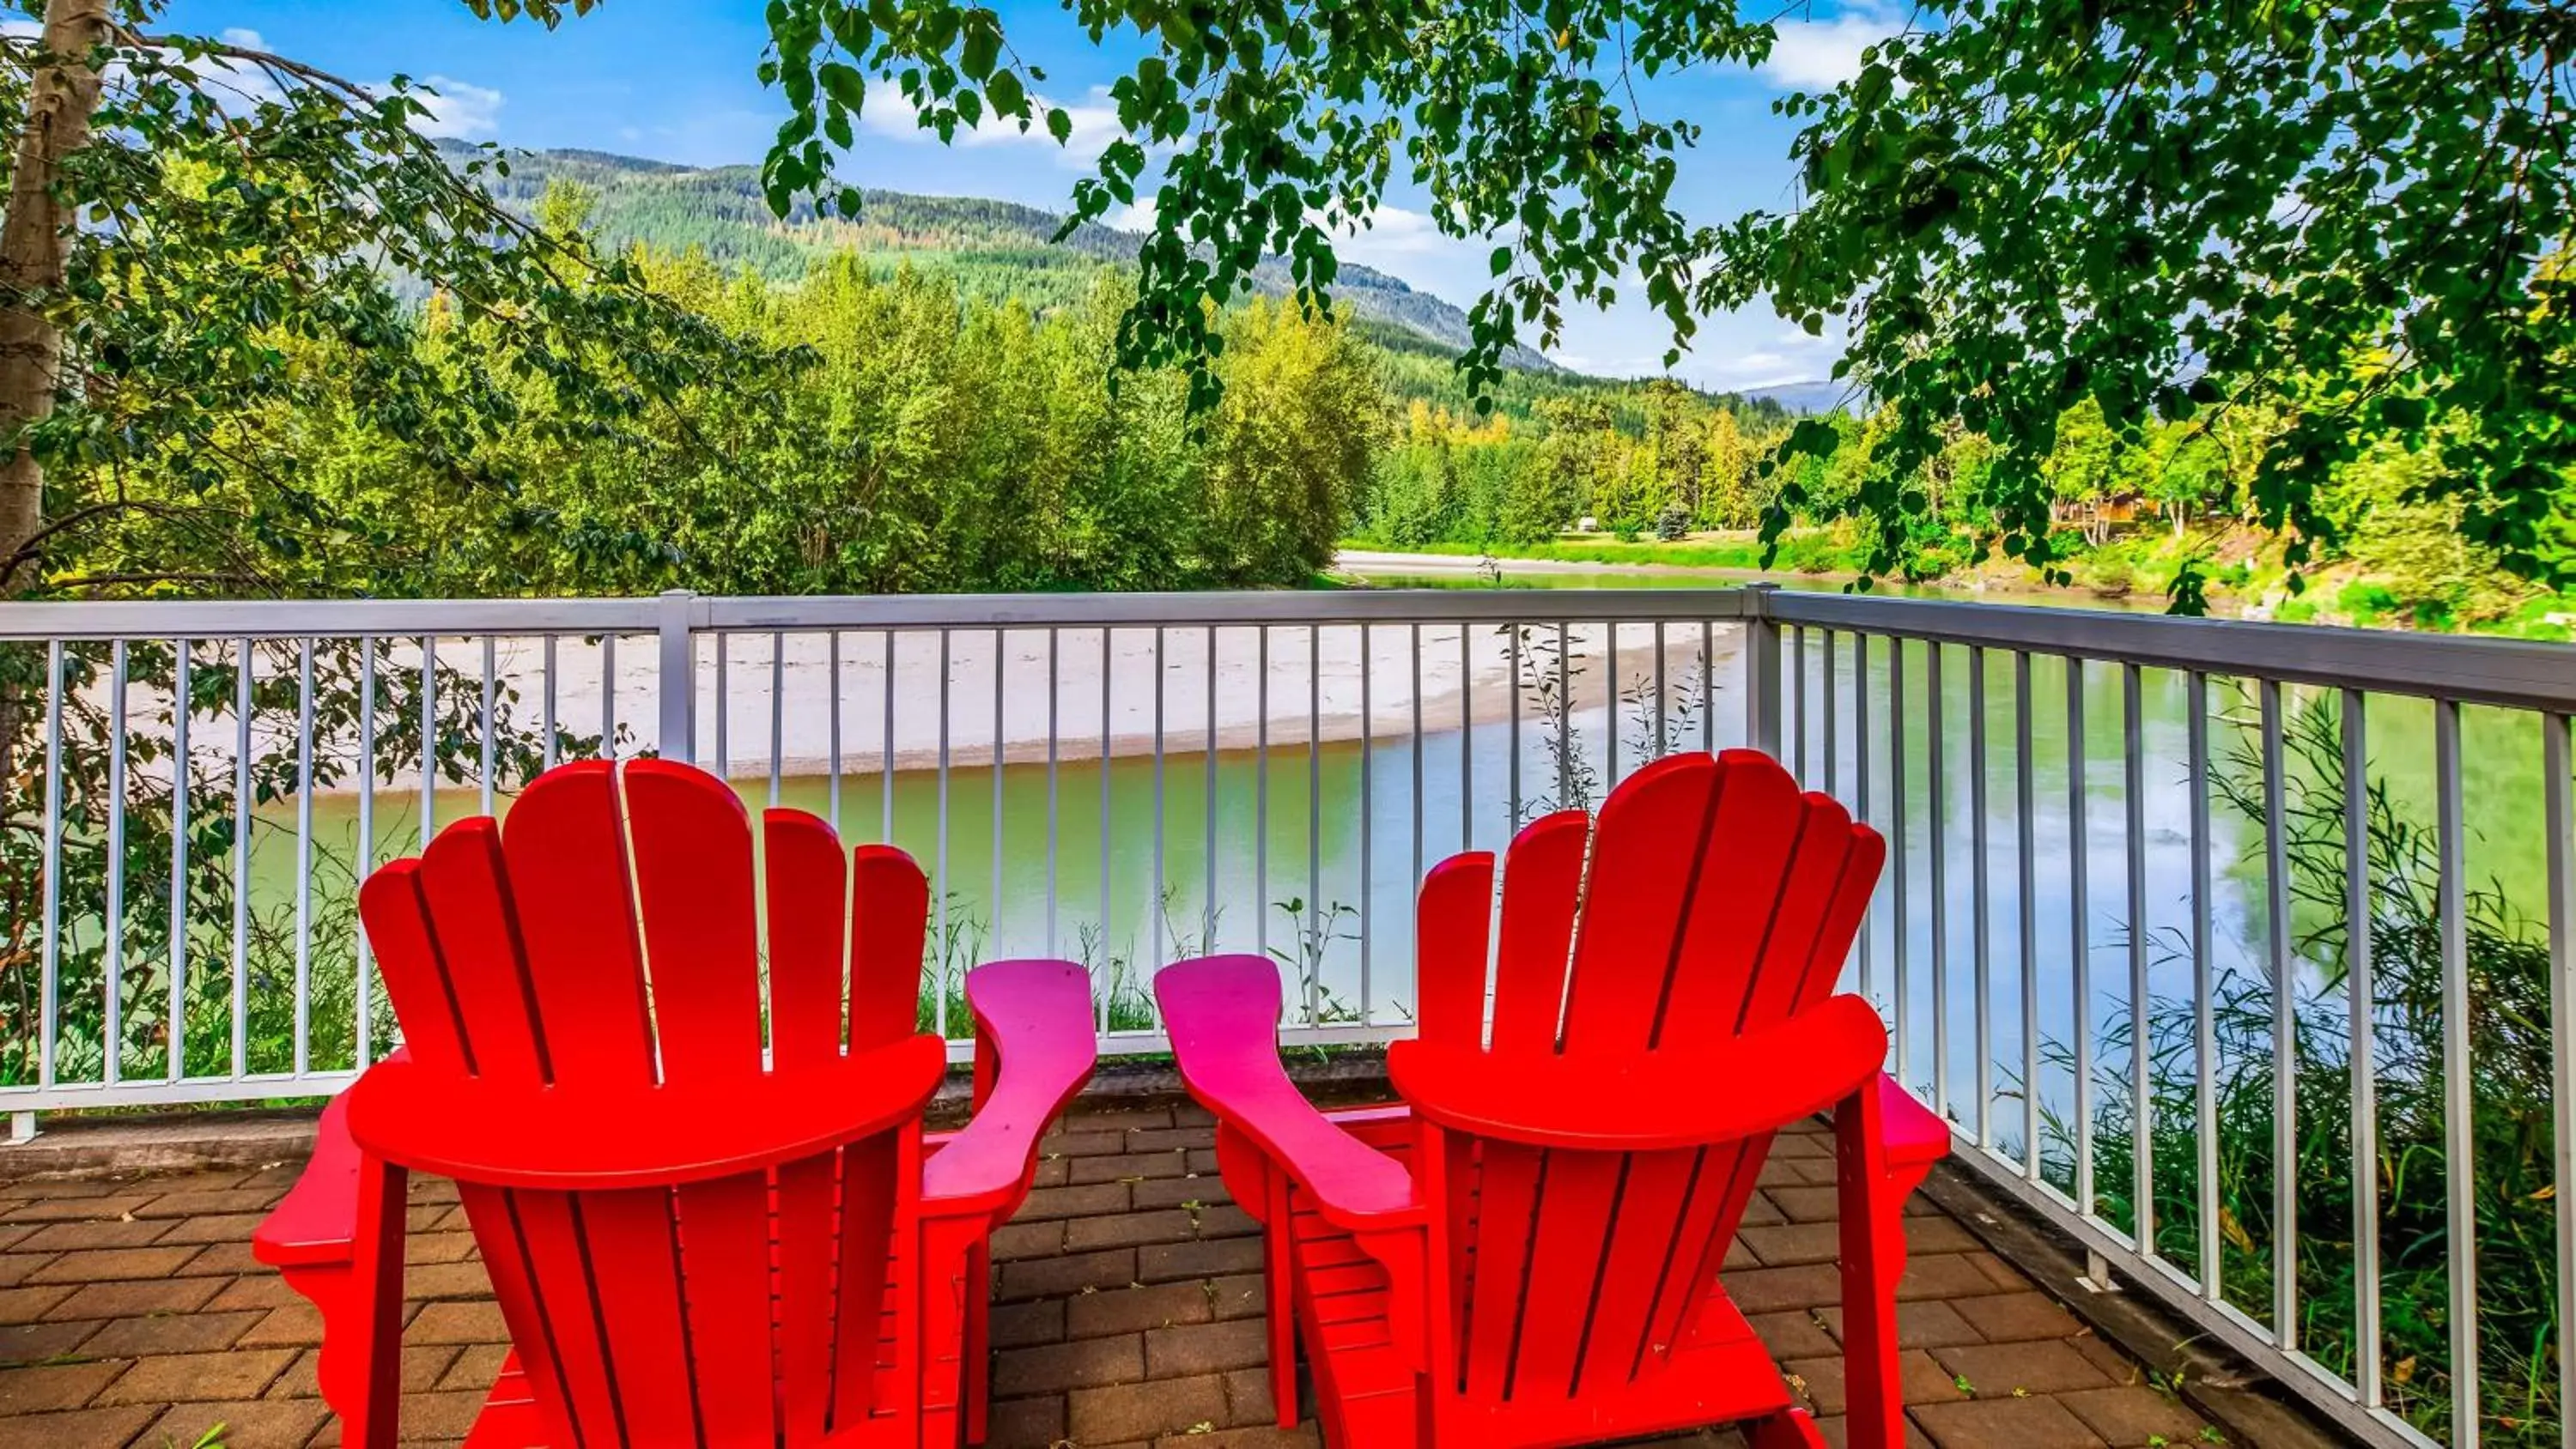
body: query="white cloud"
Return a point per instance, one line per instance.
(891, 115)
(1817, 55)
(460, 110)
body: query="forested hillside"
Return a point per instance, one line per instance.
(998, 250)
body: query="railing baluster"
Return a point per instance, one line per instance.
(112, 943)
(1861, 741)
(1207, 758)
(1898, 849)
(2026, 897)
(1936, 713)
(885, 748)
(1467, 740)
(1155, 906)
(1261, 790)
(2285, 1028)
(1707, 685)
(366, 851)
(2203, 986)
(1565, 708)
(1512, 742)
(48, 990)
(939, 881)
(1609, 717)
(1980, 913)
(548, 721)
(1663, 733)
(2459, 1162)
(1798, 697)
(832, 727)
(608, 696)
(1055, 753)
(1315, 812)
(1833, 738)
(2560, 812)
(428, 738)
(2079, 851)
(1368, 819)
(304, 743)
(1105, 980)
(1001, 660)
(2361, 1004)
(176, 1053)
(490, 690)
(242, 697)
(777, 716)
(2141, 1103)
(1415, 775)
(724, 707)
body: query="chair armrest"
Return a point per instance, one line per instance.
(316, 1223)
(1222, 1013)
(1915, 1136)
(595, 1138)
(1648, 1101)
(1033, 1025)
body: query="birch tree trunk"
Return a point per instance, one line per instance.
(35, 240)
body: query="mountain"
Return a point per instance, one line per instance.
(996, 246)
(1810, 397)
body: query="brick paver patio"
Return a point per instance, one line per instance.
(1128, 1312)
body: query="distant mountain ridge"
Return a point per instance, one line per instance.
(1010, 247)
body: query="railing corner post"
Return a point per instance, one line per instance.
(1761, 670)
(22, 1127)
(677, 675)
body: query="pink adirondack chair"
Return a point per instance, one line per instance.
(1526, 1251)
(710, 1212)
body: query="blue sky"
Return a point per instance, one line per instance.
(675, 80)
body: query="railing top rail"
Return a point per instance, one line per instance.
(325, 618)
(2514, 673)
(1249, 607)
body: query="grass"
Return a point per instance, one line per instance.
(1807, 551)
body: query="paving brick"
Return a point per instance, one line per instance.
(1259, 1436)
(200, 1204)
(2043, 1367)
(1056, 1277)
(1074, 1146)
(1791, 1244)
(26, 1305)
(108, 1265)
(1920, 1380)
(1131, 1229)
(1015, 1325)
(1133, 1310)
(228, 1259)
(38, 1342)
(1792, 1334)
(265, 1290)
(1121, 1119)
(1143, 1411)
(111, 1233)
(1016, 1241)
(50, 1388)
(1918, 1325)
(297, 1325)
(189, 1377)
(2033, 1423)
(1069, 1202)
(1171, 1139)
(132, 1300)
(458, 1323)
(1225, 1220)
(1943, 1275)
(1248, 1397)
(212, 1228)
(1050, 1173)
(1804, 1204)
(1033, 1423)
(170, 1333)
(88, 1427)
(437, 1416)
(1081, 1363)
(1938, 1235)
(1770, 1290)
(1199, 1348)
(1239, 1296)
(1165, 1261)
(473, 1368)
(2132, 1416)
(2006, 1277)
(446, 1247)
(2007, 1317)
(1130, 1167)
(1204, 1190)
(2119, 1366)
(270, 1424)
(76, 1209)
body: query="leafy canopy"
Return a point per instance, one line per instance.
(2355, 211)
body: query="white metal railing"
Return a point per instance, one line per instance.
(2106, 830)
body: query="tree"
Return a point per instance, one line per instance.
(2015, 206)
(203, 238)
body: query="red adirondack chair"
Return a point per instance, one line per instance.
(701, 1232)
(1526, 1251)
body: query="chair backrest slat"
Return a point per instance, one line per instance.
(1712, 899)
(612, 933)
